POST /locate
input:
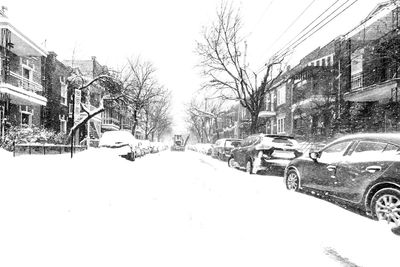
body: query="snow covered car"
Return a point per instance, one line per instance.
(361, 172)
(223, 147)
(264, 152)
(121, 143)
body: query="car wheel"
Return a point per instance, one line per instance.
(292, 180)
(231, 162)
(385, 205)
(249, 166)
(130, 156)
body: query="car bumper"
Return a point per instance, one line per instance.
(119, 151)
(275, 166)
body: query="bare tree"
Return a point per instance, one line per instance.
(140, 87)
(157, 115)
(112, 92)
(202, 117)
(222, 51)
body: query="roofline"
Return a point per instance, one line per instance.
(9, 26)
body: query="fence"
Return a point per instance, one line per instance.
(44, 149)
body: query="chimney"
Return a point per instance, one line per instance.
(93, 66)
(3, 11)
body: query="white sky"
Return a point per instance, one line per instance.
(165, 32)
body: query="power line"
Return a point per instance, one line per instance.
(291, 24)
(259, 20)
(303, 30)
(289, 47)
(329, 21)
(304, 37)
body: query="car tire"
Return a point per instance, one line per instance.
(292, 180)
(131, 156)
(249, 166)
(385, 205)
(230, 162)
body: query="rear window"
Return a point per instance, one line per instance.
(231, 143)
(285, 141)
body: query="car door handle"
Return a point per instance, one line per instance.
(373, 169)
(331, 168)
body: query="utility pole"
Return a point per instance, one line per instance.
(73, 123)
(88, 122)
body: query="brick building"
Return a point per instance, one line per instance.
(370, 71)
(55, 115)
(22, 95)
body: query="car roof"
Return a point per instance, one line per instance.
(278, 135)
(386, 137)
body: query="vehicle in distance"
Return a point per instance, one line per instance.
(264, 152)
(359, 172)
(178, 143)
(121, 143)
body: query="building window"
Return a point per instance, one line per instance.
(63, 124)
(272, 101)
(26, 115)
(323, 62)
(357, 61)
(280, 125)
(64, 91)
(317, 64)
(268, 102)
(281, 95)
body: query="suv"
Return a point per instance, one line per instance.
(264, 152)
(223, 148)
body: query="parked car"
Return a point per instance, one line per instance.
(121, 143)
(264, 152)
(361, 172)
(223, 147)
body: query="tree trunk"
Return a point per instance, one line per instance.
(216, 128)
(135, 122)
(254, 124)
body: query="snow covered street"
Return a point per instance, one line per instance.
(172, 209)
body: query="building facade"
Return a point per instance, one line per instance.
(22, 94)
(370, 72)
(56, 112)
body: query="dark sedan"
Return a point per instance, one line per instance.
(361, 172)
(264, 152)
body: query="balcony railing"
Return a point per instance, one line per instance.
(22, 82)
(356, 81)
(111, 121)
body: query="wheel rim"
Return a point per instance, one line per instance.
(387, 208)
(248, 167)
(292, 181)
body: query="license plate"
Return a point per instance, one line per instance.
(283, 154)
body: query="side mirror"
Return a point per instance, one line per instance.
(314, 155)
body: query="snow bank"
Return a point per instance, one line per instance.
(172, 209)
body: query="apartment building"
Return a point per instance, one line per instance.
(22, 95)
(56, 112)
(370, 71)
